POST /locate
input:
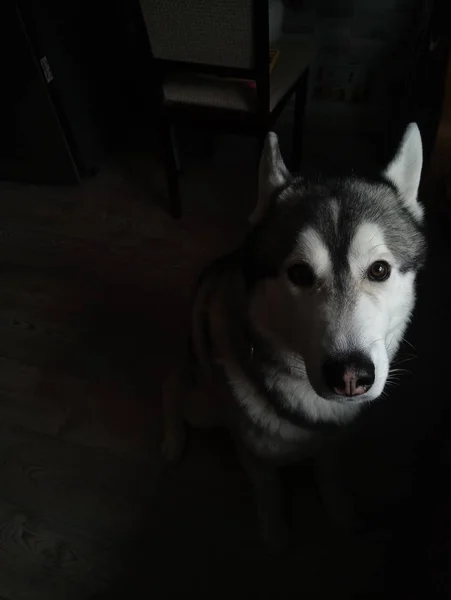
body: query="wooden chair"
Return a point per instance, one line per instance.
(212, 62)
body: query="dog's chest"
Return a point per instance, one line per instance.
(262, 427)
(276, 447)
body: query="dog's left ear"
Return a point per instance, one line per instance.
(272, 176)
(404, 171)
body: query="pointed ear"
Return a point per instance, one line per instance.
(272, 175)
(404, 171)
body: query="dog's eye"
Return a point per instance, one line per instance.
(301, 275)
(379, 271)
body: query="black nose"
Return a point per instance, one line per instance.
(350, 375)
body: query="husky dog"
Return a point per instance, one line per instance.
(293, 334)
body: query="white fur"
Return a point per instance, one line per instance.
(300, 396)
(367, 246)
(258, 407)
(383, 309)
(312, 325)
(311, 249)
(282, 439)
(405, 170)
(307, 325)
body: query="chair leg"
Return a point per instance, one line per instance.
(261, 141)
(171, 160)
(298, 125)
(208, 145)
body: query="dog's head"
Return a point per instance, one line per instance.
(331, 267)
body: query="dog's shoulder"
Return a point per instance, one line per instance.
(218, 310)
(223, 271)
(221, 289)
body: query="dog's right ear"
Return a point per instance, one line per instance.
(404, 171)
(272, 176)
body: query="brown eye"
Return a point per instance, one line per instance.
(379, 271)
(301, 275)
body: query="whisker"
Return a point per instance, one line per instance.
(404, 360)
(400, 371)
(392, 384)
(381, 339)
(408, 343)
(376, 246)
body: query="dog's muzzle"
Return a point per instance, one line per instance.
(351, 375)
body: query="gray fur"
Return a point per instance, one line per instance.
(253, 359)
(302, 203)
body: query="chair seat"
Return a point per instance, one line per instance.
(190, 89)
(296, 53)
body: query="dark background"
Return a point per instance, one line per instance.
(104, 97)
(95, 288)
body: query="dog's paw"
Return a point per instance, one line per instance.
(337, 500)
(274, 536)
(173, 445)
(341, 511)
(340, 506)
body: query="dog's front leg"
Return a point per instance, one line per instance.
(174, 436)
(265, 480)
(338, 501)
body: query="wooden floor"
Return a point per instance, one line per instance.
(94, 287)
(95, 284)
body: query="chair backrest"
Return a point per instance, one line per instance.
(216, 33)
